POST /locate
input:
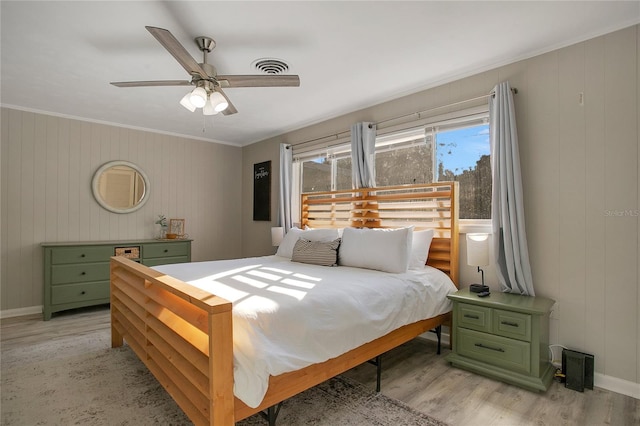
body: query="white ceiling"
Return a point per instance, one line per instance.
(59, 57)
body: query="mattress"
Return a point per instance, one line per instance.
(289, 315)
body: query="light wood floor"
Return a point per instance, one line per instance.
(412, 373)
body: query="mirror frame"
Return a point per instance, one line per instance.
(96, 182)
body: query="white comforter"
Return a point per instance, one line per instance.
(289, 315)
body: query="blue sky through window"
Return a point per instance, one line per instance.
(460, 149)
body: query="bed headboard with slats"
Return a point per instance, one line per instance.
(425, 206)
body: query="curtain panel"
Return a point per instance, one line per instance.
(284, 202)
(507, 207)
(363, 155)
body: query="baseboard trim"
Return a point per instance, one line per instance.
(616, 385)
(445, 338)
(20, 312)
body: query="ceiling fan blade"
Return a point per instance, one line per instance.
(258, 80)
(173, 46)
(151, 83)
(230, 109)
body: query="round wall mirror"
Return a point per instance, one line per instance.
(120, 187)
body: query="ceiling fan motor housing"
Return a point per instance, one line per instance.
(205, 44)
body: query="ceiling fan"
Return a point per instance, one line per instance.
(208, 93)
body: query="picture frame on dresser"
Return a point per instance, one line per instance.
(176, 226)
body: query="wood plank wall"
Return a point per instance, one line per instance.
(581, 185)
(47, 166)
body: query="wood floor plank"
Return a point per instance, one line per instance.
(412, 373)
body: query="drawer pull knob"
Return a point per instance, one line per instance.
(82, 255)
(166, 250)
(83, 292)
(471, 316)
(480, 345)
(83, 273)
(511, 324)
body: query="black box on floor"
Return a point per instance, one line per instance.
(577, 368)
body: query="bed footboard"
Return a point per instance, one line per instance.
(181, 333)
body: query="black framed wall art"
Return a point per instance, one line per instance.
(262, 191)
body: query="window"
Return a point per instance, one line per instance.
(456, 150)
(463, 155)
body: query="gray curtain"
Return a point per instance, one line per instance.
(284, 202)
(363, 155)
(507, 208)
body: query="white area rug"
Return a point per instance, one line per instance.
(81, 380)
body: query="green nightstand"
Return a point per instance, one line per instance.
(504, 336)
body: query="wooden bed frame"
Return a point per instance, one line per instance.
(184, 334)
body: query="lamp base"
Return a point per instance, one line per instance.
(478, 288)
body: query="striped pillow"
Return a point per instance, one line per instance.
(316, 252)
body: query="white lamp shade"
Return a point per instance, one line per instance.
(277, 234)
(208, 108)
(185, 102)
(198, 97)
(478, 249)
(218, 101)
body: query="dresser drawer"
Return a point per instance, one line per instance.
(70, 293)
(474, 317)
(85, 272)
(506, 353)
(166, 250)
(512, 324)
(62, 255)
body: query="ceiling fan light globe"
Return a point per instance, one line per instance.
(185, 102)
(198, 97)
(208, 108)
(218, 101)
(222, 106)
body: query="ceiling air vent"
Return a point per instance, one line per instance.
(270, 66)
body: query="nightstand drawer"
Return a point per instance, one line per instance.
(512, 324)
(506, 353)
(81, 254)
(70, 293)
(474, 317)
(62, 274)
(166, 250)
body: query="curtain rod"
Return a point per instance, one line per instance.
(418, 113)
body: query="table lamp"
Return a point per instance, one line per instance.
(478, 255)
(277, 234)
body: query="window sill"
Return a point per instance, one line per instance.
(469, 226)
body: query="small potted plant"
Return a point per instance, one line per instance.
(162, 221)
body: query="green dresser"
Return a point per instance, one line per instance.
(503, 336)
(77, 274)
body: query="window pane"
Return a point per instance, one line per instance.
(463, 155)
(412, 164)
(316, 175)
(343, 173)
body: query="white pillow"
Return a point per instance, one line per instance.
(385, 250)
(289, 241)
(420, 248)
